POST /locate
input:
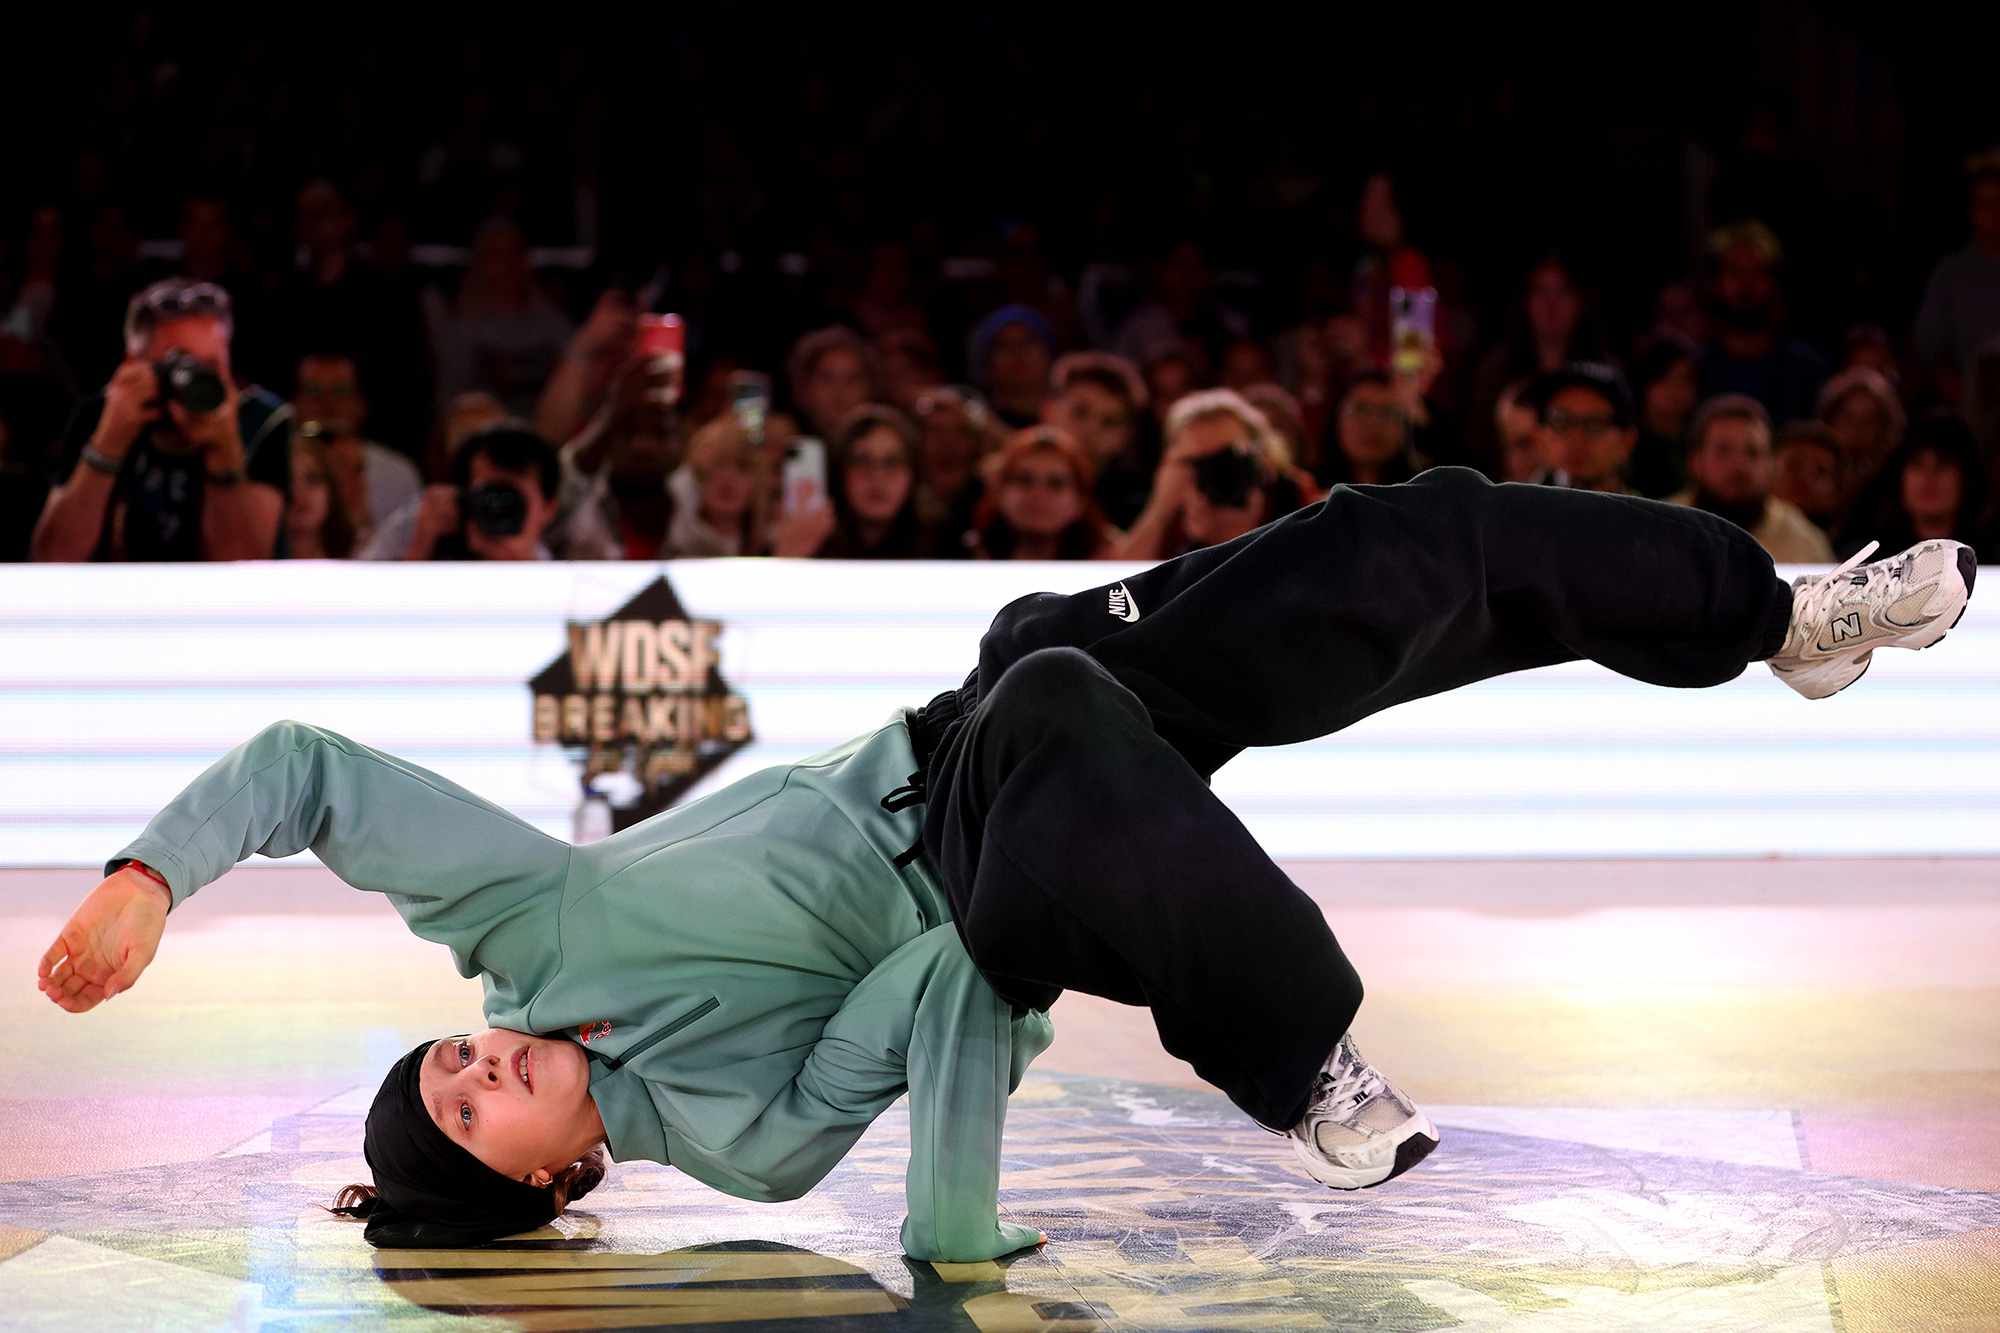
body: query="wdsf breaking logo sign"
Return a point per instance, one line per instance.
(641, 692)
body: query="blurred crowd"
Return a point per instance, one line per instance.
(352, 405)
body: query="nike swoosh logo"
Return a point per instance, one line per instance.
(1131, 611)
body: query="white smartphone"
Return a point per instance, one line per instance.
(803, 475)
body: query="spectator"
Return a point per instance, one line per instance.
(1663, 378)
(1678, 313)
(1546, 330)
(909, 362)
(1100, 402)
(1171, 370)
(501, 333)
(1751, 353)
(1961, 305)
(1810, 473)
(955, 435)
(1588, 427)
(319, 523)
(1184, 308)
(373, 481)
(1039, 502)
(721, 495)
(1519, 429)
(614, 502)
(500, 498)
(463, 417)
(1733, 469)
(1246, 361)
(1862, 410)
(831, 378)
(885, 304)
(591, 361)
(1012, 350)
(151, 477)
(874, 510)
(41, 282)
(1373, 438)
(1933, 486)
(1870, 345)
(1223, 474)
(1283, 411)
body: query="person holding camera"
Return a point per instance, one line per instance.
(173, 461)
(1224, 473)
(500, 500)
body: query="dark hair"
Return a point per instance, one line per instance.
(1879, 512)
(1379, 379)
(569, 1184)
(1657, 360)
(1808, 431)
(336, 530)
(1113, 374)
(1082, 538)
(1725, 407)
(905, 538)
(514, 447)
(808, 351)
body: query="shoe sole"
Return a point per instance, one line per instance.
(1420, 1139)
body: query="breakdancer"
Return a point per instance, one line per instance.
(740, 985)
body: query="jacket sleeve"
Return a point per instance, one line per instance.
(459, 869)
(926, 1019)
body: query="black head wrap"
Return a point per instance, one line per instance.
(430, 1191)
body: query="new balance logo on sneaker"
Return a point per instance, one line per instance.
(1122, 605)
(1840, 618)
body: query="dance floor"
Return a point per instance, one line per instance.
(1673, 1095)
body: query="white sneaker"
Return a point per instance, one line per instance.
(1840, 619)
(1359, 1131)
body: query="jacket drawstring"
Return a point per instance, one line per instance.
(902, 798)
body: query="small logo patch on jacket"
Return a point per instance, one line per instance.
(589, 1032)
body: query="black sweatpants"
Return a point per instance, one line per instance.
(1069, 813)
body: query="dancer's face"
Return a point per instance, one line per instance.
(472, 1086)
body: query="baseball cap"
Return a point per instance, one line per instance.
(1599, 377)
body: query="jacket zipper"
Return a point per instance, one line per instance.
(669, 1030)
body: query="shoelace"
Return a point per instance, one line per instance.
(1834, 589)
(1350, 1076)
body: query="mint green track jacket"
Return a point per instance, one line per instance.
(753, 975)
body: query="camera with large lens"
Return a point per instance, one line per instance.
(1226, 477)
(495, 508)
(186, 380)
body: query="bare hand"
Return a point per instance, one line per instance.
(607, 334)
(437, 516)
(803, 530)
(131, 403)
(106, 944)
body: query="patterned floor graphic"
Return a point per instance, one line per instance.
(1166, 1209)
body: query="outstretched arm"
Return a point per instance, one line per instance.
(459, 869)
(926, 1020)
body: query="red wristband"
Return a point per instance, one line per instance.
(150, 873)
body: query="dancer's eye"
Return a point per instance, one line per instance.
(464, 1054)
